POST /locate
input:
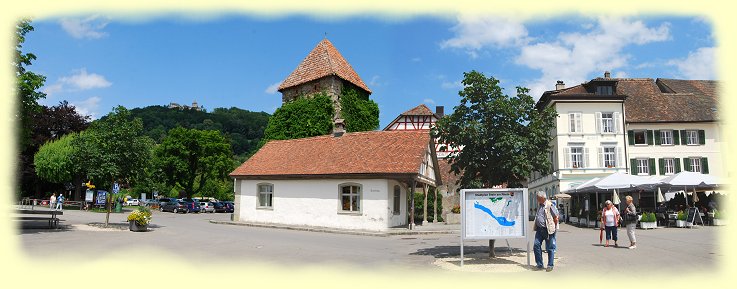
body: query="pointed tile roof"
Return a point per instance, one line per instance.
(324, 60)
(419, 110)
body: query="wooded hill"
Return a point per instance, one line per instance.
(243, 128)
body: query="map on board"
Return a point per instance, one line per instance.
(494, 214)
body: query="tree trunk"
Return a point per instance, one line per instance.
(491, 249)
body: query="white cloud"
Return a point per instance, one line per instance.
(88, 106)
(416, 59)
(573, 57)
(78, 80)
(429, 101)
(89, 28)
(375, 81)
(474, 33)
(451, 84)
(272, 89)
(698, 64)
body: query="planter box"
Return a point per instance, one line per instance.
(648, 225)
(720, 222)
(680, 223)
(452, 218)
(137, 228)
(573, 220)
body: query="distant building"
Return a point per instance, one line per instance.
(195, 106)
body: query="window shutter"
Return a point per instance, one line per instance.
(616, 122)
(657, 137)
(702, 137)
(571, 122)
(677, 165)
(598, 123)
(686, 165)
(601, 156)
(631, 137)
(633, 166)
(676, 137)
(684, 139)
(652, 166)
(579, 129)
(704, 166)
(661, 163)
(649, 137)
(568, 158)
(619, 158)
(586, 157)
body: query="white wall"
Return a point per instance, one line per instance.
(316, 203)
(711, 149)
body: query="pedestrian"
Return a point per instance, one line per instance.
(610, 219)
(52, 201)
(631, 221)
(60, 202)
(546, 221)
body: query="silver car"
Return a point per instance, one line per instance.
(207, 207)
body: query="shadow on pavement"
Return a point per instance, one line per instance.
(455, 251)
(36, 227)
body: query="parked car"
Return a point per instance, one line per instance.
(192, 206)
(133, 202)
(230, 207)
(207, 207)
(163, 201)
(220, 207)
(174, 207)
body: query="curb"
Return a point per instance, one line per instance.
(334, 231)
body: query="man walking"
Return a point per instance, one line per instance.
(546, 221)
(60, 202)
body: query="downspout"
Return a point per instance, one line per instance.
(626, 143)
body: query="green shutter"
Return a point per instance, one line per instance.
(677, 165)
(686, 165)
(633, 166)
(702, 137)
(661, 162)
(652, 167)
(649, 137)
(631, 137)
(676, 137)
(684, 139)
(657, 137)
(704, 165)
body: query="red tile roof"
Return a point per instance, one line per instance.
(419, 110)
(360, 153)
(324, 60)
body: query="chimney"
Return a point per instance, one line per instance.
(559, 85)
(440, 110)
(338, 127)
(607, 74)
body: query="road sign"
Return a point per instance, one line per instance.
(116, 188)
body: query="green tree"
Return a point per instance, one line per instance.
(303, 117)
(503, 139)
(27, 84)
(114, 149)
(53, 161)
(360, 113)
(188, 158)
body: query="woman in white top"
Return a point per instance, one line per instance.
(610, 220)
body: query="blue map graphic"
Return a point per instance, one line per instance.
(501, 220)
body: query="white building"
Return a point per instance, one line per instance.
(347, 181)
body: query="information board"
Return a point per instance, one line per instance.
(494, 213)
(693, 217)
(100, 200)
(89, 196)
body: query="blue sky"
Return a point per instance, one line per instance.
(97, 62)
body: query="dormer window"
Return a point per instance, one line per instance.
(604, 90)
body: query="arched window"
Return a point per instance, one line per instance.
(350, 198)
(397, 199)
(265, 195)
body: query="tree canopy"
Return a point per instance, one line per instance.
(27, 83)
(303, 117)
(192, 159)
(53, 161)
(360, 113)
(503, 138)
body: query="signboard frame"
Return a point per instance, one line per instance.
(524, 223)
(693, 216)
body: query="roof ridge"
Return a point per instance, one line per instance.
(327, 54)
(344, 135)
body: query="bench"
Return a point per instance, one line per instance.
(52, 218)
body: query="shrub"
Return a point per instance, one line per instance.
(648, 217)
(717, 215)
(142, 216)
(456, 209)
(681, 216)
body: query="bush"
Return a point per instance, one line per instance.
(648, 217)
(456, 209)
(142, 216)
(717, 215)
(681, 216)
(419, 199)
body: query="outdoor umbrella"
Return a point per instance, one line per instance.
(615, 198)
(562, 196)
(695, 197)
(660, 197)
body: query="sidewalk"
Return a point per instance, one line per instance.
(438, 228)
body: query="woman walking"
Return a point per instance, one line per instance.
(631, 220)
(52, 201)
(610, 219)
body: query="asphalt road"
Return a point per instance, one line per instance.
(193, 238)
